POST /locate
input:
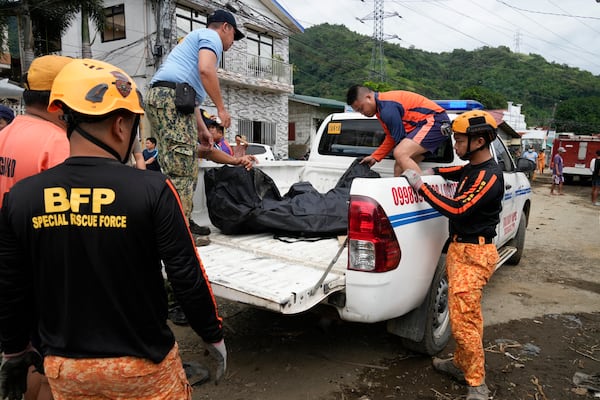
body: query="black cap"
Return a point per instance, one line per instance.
(209, 120)
(225, 16)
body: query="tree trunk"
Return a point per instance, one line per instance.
(86, 47)
(26, 39)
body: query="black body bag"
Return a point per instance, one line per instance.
(241, 201)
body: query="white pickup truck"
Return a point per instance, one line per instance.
(393, 266)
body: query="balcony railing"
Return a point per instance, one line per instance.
(253, 66)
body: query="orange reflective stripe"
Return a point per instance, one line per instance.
(468, 199)
(424, 130)
(202, 271)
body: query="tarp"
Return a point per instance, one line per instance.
(241, 201)
(9, 90)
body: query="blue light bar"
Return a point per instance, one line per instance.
(460, 105)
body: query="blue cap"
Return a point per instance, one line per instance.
(225, 16)
(6, 113)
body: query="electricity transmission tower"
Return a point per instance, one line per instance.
(377, 57)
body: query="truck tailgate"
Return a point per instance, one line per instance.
(266, 272)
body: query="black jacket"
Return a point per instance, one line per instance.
(475, 208)
(81, 246)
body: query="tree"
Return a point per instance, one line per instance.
(489, 98)
(41, 21)
(579, 115)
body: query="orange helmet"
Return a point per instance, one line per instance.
(92, 87)
(476, 123)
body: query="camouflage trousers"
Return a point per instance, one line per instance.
(469, 267)
(177, 138)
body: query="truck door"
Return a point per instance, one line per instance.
(509, 217)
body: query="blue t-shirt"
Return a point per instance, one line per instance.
(181, 64)
(154, 166)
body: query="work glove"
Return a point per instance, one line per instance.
(14, 370)
(413, 178)
(219, 352)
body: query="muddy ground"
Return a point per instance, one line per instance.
(542, 322)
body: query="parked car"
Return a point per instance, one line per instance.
(262, 152)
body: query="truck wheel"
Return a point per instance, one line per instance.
(518, 241)
(437, 325)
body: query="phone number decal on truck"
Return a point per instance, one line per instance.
(406, 195)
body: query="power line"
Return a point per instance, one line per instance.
(545, 13)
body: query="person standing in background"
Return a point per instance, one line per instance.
(241, 144)
(557, 171)
(532, 156)
(595, 167)
(541, 161)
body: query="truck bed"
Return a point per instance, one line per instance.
(266, 272)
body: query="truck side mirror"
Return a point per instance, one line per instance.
(525, 165)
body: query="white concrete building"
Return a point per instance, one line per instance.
(255, 74)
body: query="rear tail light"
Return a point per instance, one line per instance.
(372, 242)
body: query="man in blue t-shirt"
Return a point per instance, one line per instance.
(190, 67)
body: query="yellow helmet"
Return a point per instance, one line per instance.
(96, 88)
(476, 123)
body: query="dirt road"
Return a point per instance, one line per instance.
(542, 326)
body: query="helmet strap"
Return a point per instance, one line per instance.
(76, 126)
(467, 156)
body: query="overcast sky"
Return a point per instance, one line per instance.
(565, 32)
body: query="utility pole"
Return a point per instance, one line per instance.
(377, 57)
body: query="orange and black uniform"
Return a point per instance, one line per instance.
(474, 213)
(404, 114)
(82, 244)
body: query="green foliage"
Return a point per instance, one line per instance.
(578, 115)
(328, 59)
(378, 86)
(491, 99)
(50, 18)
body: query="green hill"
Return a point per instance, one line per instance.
(329, 58)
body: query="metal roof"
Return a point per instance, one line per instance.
(318, 101)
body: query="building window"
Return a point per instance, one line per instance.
(258, 131)
(259, 44)
(188, 20)
(291, 131)
(114, 28)
(260, 50)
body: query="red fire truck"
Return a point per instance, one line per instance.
(581, 149)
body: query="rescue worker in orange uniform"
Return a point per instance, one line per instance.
(474, 213)
(412, 124)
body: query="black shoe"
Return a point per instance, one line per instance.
(196, 373)
(201, 240)
(177, 316)
(199, 230)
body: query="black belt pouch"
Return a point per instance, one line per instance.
(185, 98)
